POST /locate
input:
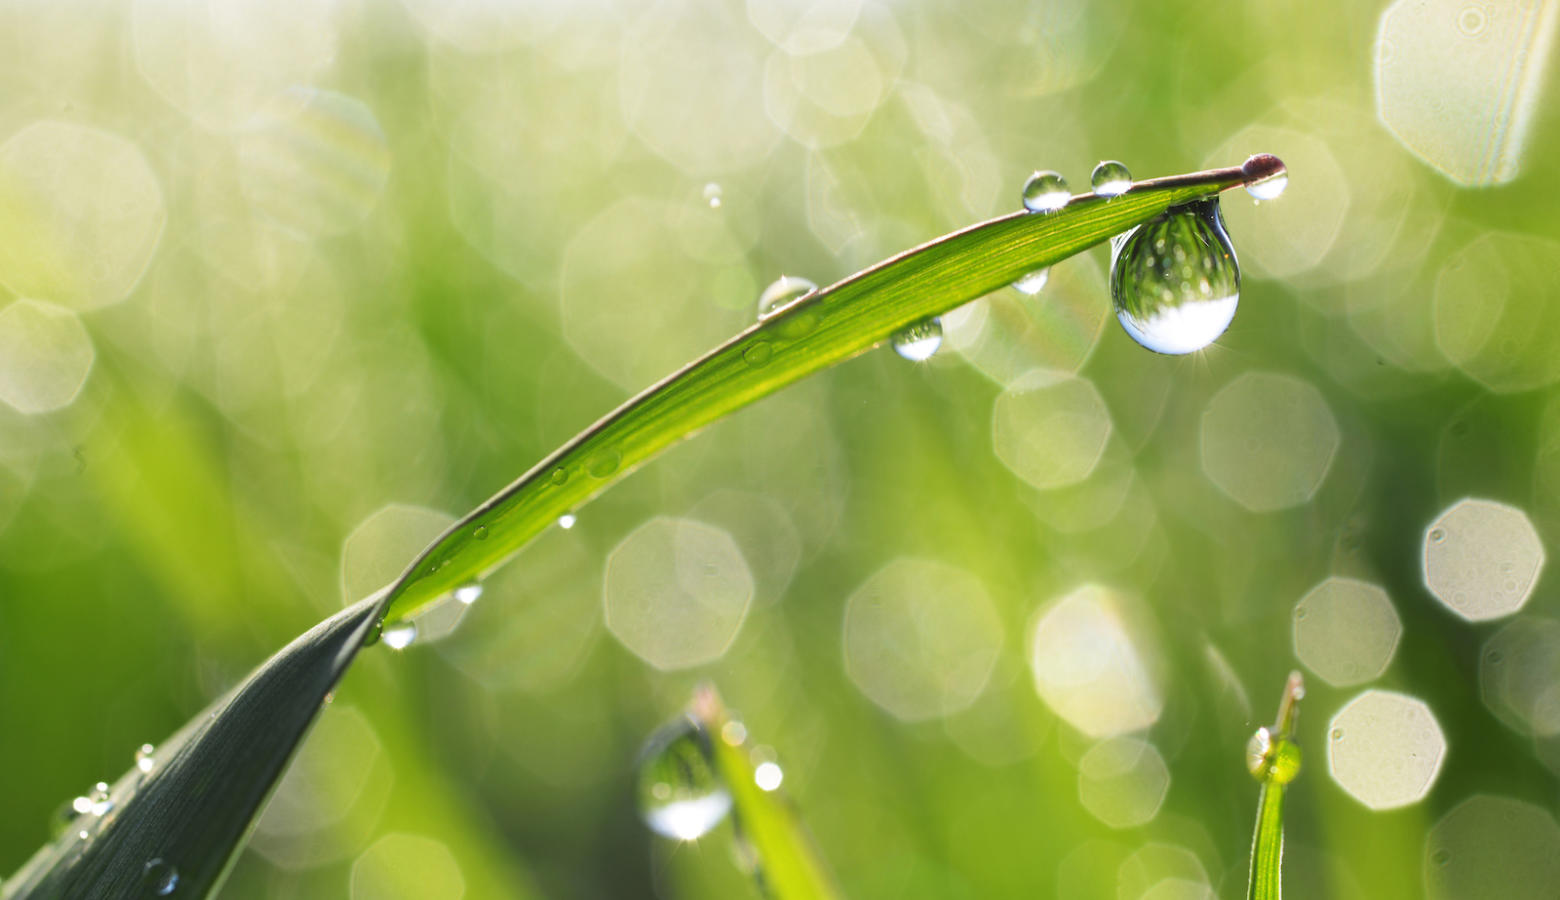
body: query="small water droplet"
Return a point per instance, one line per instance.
(160, 878)
(1110, 178)
(1337, 734)
(1494, 657)
(712, 193)
(559, 476)
(920, 341)
(102, 800)
(768, 776)
(782, 292)
(1266, 176)
(566, 521)
(1438, 535)
(1156, 302)
(146, 758)
(1033, 282)
(1045, 192)
(480, 532)
(399, 635)
(1271, 758)
(469, 592)
(680, 794)
(604, 462)
(1441, 857)
(758, 354)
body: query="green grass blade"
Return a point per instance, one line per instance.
(191, 812)
(1274, 760)
(831, 325)
(789, 864)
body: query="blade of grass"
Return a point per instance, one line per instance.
(827, 327)
(1274, 760)
(789, 864)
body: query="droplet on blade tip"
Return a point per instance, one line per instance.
(1265, 175)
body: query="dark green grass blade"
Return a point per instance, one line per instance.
(831, 325)
(193, 810)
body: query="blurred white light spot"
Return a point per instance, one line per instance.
(676, 591)
(921, 638)
(1519, 675)
(324, 788)
(81, 214)
(1093, 665)
(313, 161)
(220, 62)
(1493, 318)
(1268, 440)
(1346, 631)
(825, 97)
(1493, 848)
(1482, 559)
(1385, 749)
(403, 866)
(804, 26)
(1123, 781)
(1162, 872)
(1458, 83)
(381, 547)
(768, 776)
(486, 26)
(45, 356)
(1050, 428)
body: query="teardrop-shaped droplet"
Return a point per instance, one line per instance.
(1033, 282)
(1045, 192)
(1270, 758)
(1266, 176)
(920, 341)
(159, 878)
(399, 635)
(566, 521)
(1174, 281)
(1110, 178)
(469, 593)
(712, 194)
(782, 292)
(680, 794)
(146, 758)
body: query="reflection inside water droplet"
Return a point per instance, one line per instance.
(1045, 192)
(1110, 178)
(1174, 281)
(399, 635)
(1033, 282)
(1271, 758)
(919, 342)
(680, 794)
(468, 593)
(782, 292)
(566, 521)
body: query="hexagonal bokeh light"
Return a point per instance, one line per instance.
(1050, 428)
(1493, 848)
(1268, 440)
(1519, 675)
(1094, 663)
(402, 866)
(1123, 781)
(1346, 631)
(1482, 559)
(1385, 749)
(45, 356)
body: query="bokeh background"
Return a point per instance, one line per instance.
(284, 286)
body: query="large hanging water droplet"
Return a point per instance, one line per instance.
(469, 592)
(1174, 281)
(782, 292)
(159, 878)
(1033, 282)
(1045, 192)
(680, 794)
(1110, 179)
(920, 341)
(1266, 176)
(399, 635)
(145, 758)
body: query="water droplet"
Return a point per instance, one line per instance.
(1441, 857)
(1266, 176)
(1437, 535)
(918, 342)
(782, 292)
(1033, 282)
(480, 532)
(1337, 734)
(160, 878)
(1110, 179)
(712, 194)
(145, 758)
(1045, 192)
(680, 794)
(768, 775)
(758, 354)
(1271, 758)
(1174, 281)
(468, 593)
(604, 462)
(566, 521)
(399, 635)
(102, 802)
(559, 476)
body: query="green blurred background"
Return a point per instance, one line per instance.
(287, 285)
